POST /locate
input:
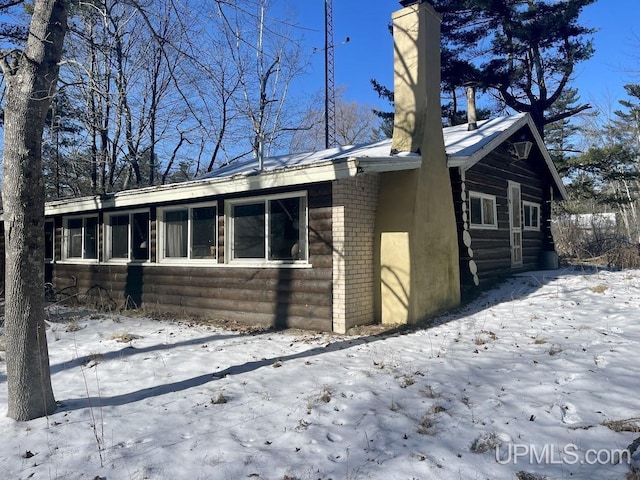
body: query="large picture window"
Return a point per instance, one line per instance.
(128, 236)
(189, 232)
(268, 229)
(531, 216)
(483, 212)
(81, 238)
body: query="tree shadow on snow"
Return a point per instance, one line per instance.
(523, 285)
(130, 350)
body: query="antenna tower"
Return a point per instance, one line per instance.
(329, 85)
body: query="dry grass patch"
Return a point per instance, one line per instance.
(633, 475)
(484, 337)
(522, 475)
(124, 337)
(626, 425)
(599, 289)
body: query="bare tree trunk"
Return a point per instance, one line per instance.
(30, 78)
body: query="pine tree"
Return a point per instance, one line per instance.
(524, 52)
(612, 170)
(561, 135)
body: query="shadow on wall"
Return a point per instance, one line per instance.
(133, 286)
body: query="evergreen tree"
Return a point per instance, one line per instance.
(611, 171)
(385, 116)
(524, 52)
(561, 135)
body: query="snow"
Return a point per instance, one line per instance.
(533, 367)
(461, 145)
(460, 142)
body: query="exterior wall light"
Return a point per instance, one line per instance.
(521, 150)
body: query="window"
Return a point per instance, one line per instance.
(482, 210)
(189, 232)
(49, 238)
(81, 238)
(531, 216)
(268, 229)
(127, 236)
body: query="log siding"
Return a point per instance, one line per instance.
(485, 254)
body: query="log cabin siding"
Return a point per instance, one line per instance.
(270, 296)
(490, 249)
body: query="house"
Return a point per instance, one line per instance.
(327, 240)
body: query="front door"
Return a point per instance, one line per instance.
(515, 223)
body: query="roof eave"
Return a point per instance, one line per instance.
(194, 190)
(389, 164)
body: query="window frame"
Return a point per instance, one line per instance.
(526, 219)
(481, 197)
(161, 232)
(108, 236)
(303, 224)
(65, 238)
(53, 240)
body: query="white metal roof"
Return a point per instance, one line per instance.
(463, 145)
(464, 148)
(372, 156)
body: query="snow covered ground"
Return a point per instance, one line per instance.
(521, 380)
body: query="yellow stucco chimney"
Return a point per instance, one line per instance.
(416, 85)
(417, 246)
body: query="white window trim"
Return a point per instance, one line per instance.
(106, 224)
(525, 219)
(65, 239)
(494, 201)
(53, 242)
(256, 262)
(160, 235)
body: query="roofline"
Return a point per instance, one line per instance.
(194, 189)
(465, 163)
(328, 170)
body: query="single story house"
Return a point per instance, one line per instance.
(327, 240)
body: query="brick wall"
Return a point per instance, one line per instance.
(354, 215)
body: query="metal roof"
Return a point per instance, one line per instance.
(464, 149)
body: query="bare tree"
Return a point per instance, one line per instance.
(266, 58)
(355, 123)
(122, 66)
(30, 76)
(162, 85)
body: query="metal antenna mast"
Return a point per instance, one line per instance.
(329, 85)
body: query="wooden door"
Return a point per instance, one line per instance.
(515, 223)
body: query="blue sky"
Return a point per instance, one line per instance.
(369, 53)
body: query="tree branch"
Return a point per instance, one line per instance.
(567, 114)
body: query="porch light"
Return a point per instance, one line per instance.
(521, 150)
